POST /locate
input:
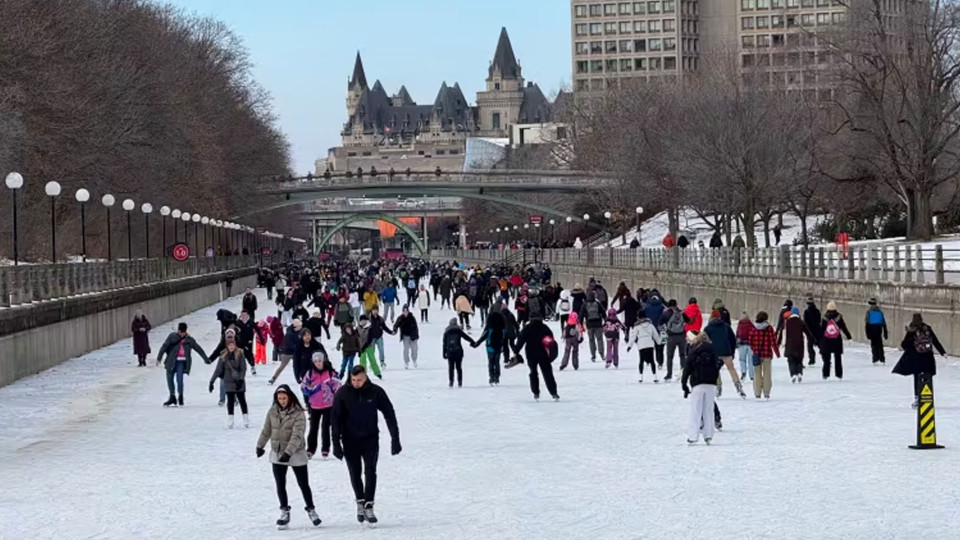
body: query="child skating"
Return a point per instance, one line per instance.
(645, 338)
(572, 338)
(611, 331)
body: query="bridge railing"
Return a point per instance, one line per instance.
(565, 178)
(31, 283)
(900, 263)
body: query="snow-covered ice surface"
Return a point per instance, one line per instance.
(88, 452)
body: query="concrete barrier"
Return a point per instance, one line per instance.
(36, 337)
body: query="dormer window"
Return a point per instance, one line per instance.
(496, 86)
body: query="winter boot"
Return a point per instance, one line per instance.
(180, 400)
(641, 378)
(556, 397)
(284, 518)
(368, 513)
(170, 402)
(246, 421)
(230, 421)
(253, 370)
(707, 441)
(691, 443)
(719, 425)
(361, 515)
(220, 403)
(314, 518)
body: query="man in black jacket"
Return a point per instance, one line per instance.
(250, 303)
(533, 340)
(811, 317)
(377, 328)
(356, 436)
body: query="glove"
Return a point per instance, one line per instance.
(211, 388)
(284, 458)
(395, 447)
(686, 392)
(628, 349)
(338, 451)
(260, 452)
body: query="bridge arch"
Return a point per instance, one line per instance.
(401, 226)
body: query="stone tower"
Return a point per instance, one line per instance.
(499, 106)
(356, 86)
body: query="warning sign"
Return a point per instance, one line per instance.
(180, 252)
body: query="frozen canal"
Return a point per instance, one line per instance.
(88, 452)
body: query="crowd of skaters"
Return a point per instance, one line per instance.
(513, 304)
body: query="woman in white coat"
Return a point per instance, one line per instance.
(645, 337)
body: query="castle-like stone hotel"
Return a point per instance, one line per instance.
(385, 131)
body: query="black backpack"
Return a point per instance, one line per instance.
(592, 310)
(451, 344)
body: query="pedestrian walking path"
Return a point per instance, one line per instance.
(88, 452)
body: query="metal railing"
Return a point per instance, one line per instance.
(27, 284)
(900, 263)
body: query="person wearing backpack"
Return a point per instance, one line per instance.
(537, 341)
(611, 332)
(453, 350)
(591, 313)
(564, 307)
(763, 343)
(601, 294)
(631, 309)
(673, 325)
(701, 371)
(572, 338)
(646, 338)
(876, 331)
(536, 306)
(319, 386)
(833, 329)
(918, 345)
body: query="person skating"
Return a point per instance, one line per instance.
(795, 330)
(510, 330)
(290, 340)
(140, 329)
(591, 315)
(724, 344)
(368, 356)
(317, 324)
(378, 325)
(446, 289)
(283, 429)
(247, 330)
(812, 317)
(453, 350)
(388, 297)
(343, 312)
(464, 310)
(645, 339)
(177, 348)
(653, 308)
(918, 346)
(564, 307)
(673, 324)
(833, 329)
(744, 353)
(356, 436)
(701, 372)
(572, 338)
(276, 336)
(320, 384)
(409, 333)
(537, 341)
(423, 303)
(232, 368)
(763, 343)
(492, 338)
(876, 331)
(611, 333)
(784, 313)
(307, 345)
(349, 344)
(249, 303)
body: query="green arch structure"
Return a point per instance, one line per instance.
(401, 226)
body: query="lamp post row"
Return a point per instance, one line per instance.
(14, 182)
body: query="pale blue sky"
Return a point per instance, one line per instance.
(304, 50)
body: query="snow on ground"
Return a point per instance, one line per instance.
(90, 453)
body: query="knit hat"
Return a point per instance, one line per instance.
(795, 311)
(318, 356)
(917, 320)
(872, 302)
(693, 300)
(230, 336)
(297, 324)
(573, 319)
(693, 336)
(717, 303)
(831, 306)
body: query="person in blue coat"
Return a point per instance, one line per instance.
(724, 344)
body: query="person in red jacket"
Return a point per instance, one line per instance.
(668, 241)
(693, 316)
(276, 336)
(763, 343)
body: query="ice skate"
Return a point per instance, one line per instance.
(718, 425)
(172, 402)
(414, 364)
(230, 422)
(690, 442)
(536, 397)
(515, 361)
(325, 455)
(707, 441)
(641, 379)
(739, 386)
(799, 378)
(253, 370)
(246, 421)
(220, 403)
(361, 516)
(556, 397)
(793, 379)
(180, 401)
(656, 380)
(284, 518)
(368, 514)
(314, 518)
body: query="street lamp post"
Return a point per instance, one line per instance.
(164, 212)
(82, 197)
(108, 201)
(196, 232)
(53, 189)
(146, 208)
(14, 181)
(553, 230)
(607, 215)
(128, 205)
(204, 221)
(185, 217)
(569, 221)
(176, 216)
(639, 236)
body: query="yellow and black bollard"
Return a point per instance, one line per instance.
(926, 417)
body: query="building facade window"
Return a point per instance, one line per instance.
(495, 120)
(580, 11)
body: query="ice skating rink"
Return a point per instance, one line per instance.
(89, 452)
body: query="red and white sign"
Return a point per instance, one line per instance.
(536, 220)
(180, 252)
